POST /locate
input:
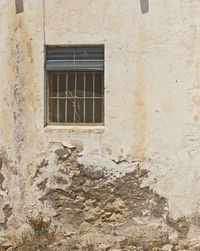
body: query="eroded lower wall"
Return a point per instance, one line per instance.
(133, 182)
(104, 203)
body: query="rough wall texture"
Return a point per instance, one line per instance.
(134, 182)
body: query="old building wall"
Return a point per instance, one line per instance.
(138, 176)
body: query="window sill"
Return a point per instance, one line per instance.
(97, 129)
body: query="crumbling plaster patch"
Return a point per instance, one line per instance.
(89, 195)
(5, 200)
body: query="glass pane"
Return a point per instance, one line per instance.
(79, 111)
(98, 111)
(53, 84)
(71, 84)
(88, 110)
(89, 85)
(62, 110)
(53, 110)
(80, 85)
(62, 84)
(99, 84)
(70, 110)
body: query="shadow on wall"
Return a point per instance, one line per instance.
(19, 6)
(143, 3)
(144, 6)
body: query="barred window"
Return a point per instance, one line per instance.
(75, 85)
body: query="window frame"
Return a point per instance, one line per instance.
(46, 95)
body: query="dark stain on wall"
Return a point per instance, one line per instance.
(19, 4)
(144, 6)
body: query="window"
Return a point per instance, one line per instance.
(75, 85)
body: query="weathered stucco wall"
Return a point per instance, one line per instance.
(138, 176)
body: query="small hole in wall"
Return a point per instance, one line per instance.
(144, 4)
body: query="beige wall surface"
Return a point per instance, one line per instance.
(152, 109)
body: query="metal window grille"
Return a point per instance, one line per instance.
(75, 96)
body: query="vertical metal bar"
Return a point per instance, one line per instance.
(47, 86)
(66, 94)
(102, 86)
(58, 115)
(75, 97)
(52, 115)
(93, 103)
(84, 92)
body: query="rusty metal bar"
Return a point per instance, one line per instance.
(58, 105)
(66, 95)
(75, 97)
(84, 87)
(93, 102)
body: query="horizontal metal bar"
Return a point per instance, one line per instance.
(77, 60)
(73, 71)
(76, 98)
(76, 124)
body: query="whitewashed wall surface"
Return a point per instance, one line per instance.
(132, 184)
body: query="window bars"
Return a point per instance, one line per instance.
(75, 85)
(76, 97)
